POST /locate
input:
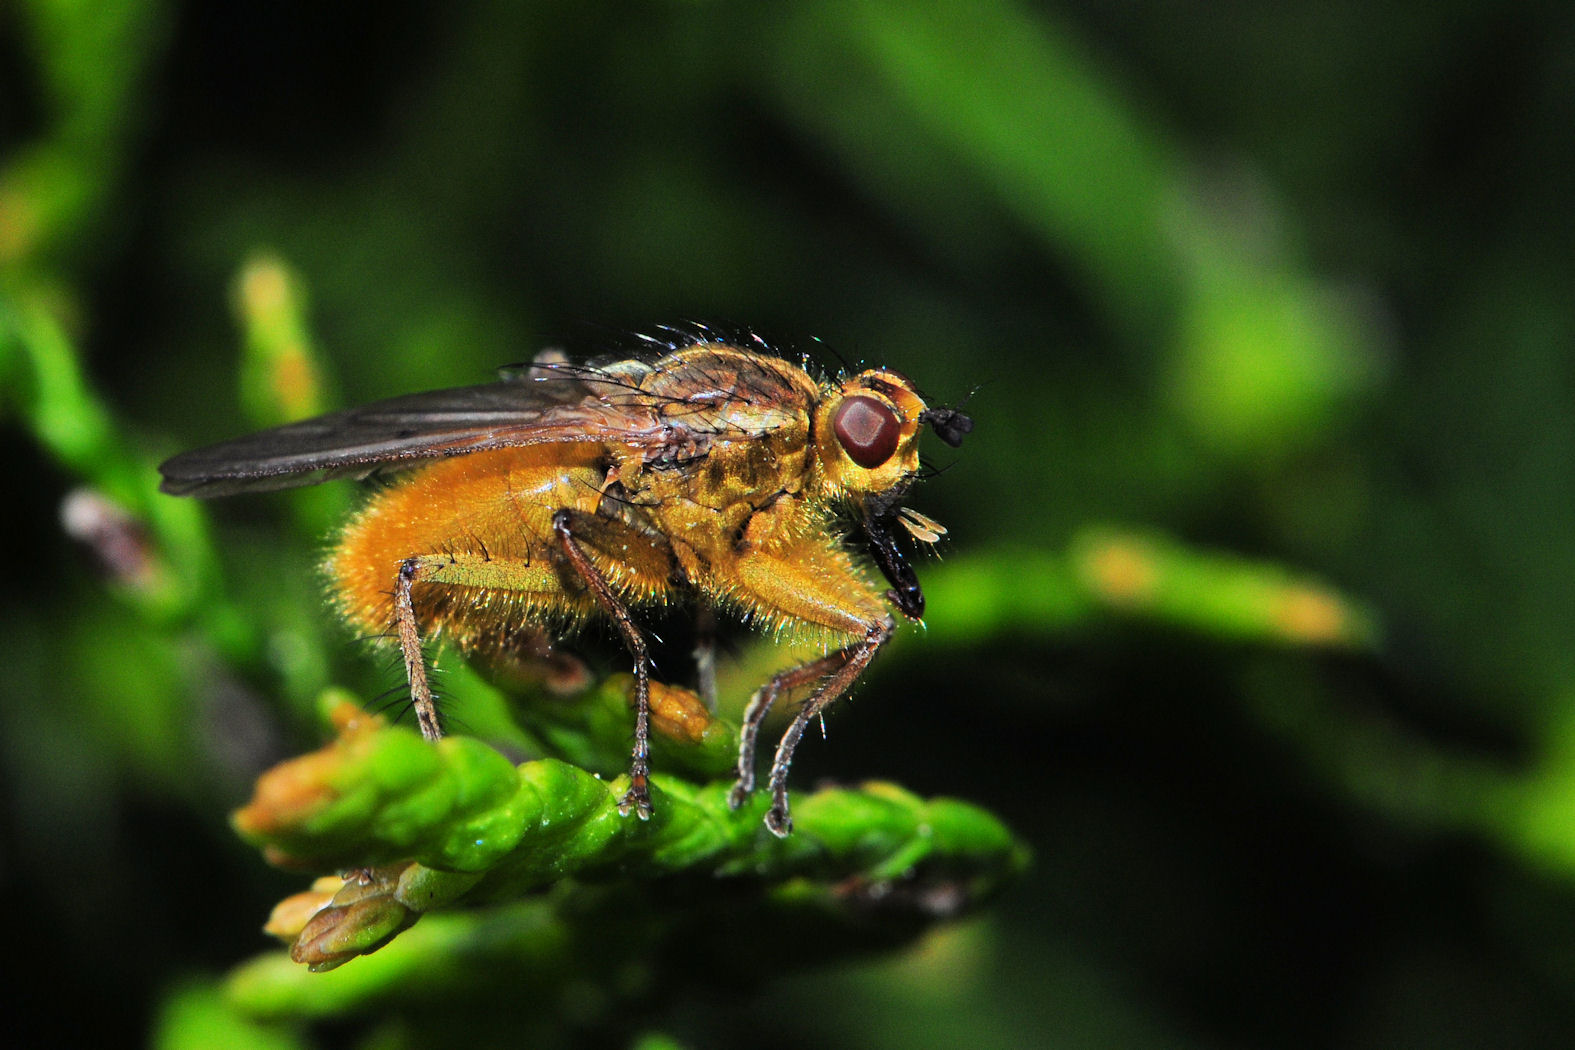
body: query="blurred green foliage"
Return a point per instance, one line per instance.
(1255, 620)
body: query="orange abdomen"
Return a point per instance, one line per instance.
(490, 509)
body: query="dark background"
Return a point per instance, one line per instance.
(1288, 283)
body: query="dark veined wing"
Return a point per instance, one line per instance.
(552, 402)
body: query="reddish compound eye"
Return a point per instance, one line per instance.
(868, 431)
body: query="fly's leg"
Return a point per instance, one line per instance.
(813, 583)
(409, 635)
(642, 562)
(705, 656)
(638, 797)
(455, 569)
(855, 658)
(759, 708)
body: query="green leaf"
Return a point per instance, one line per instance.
(424, 827)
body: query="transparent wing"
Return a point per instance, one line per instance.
(552, 402)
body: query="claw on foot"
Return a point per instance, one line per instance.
(636, 800)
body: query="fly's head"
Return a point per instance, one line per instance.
(867, 433)
(867, 442)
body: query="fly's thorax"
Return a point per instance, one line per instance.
(708, 500)
(867, 433)
(731, 378)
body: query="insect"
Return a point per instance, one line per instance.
(711, 468)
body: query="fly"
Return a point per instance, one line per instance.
(717, 471)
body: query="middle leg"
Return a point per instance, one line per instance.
(566, 524)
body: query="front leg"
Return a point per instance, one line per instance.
(816, 585)
(836, 672)
(759, 708)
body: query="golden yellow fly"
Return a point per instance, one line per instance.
(713, 468)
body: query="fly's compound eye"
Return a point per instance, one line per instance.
(868, 430)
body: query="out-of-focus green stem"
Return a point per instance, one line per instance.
(1216, 594)
(55, 401)
(90, 59)
(933, 103)
(1139, 575)
(198, 1016)
(1022, 111)
(282, 376)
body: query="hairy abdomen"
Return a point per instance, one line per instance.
(485, 520)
